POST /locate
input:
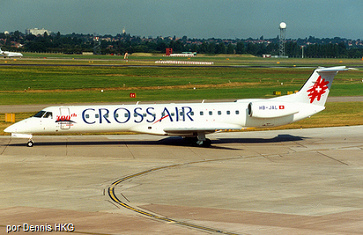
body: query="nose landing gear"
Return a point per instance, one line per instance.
(30, 143)
(28, 136)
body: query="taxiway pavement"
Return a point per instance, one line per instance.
(303, 181)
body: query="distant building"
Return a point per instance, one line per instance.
(169, 51)
(37, 31)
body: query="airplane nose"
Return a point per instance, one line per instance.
(16, 127)
(11, 129)
(19, 127)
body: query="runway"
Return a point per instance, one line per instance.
(303, 181)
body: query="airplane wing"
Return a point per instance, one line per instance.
(189, 130)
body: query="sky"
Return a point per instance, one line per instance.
(226, 19)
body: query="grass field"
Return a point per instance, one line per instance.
(55, 78)
(70, 84)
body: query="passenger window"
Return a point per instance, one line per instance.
(219, 113)
(96, 116)
(237, 112)
(201, 113)
(210, 113)
(228, 112)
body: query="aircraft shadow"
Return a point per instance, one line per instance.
(276, 139)
(172, 141)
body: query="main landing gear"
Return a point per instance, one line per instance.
(204, 143)
(199, 140)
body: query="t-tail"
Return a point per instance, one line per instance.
(316, 89)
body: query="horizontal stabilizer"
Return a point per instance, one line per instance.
(331, 69)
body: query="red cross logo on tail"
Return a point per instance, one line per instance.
(319, 88)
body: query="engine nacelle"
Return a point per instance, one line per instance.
(271, 109)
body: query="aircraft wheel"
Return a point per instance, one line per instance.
(198, 143)
(204, 143)
(207, 143)
(30, 143)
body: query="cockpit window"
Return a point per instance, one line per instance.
(39, 114)
(48, 115)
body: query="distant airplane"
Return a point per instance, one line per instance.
(189, 120)
(10, 54)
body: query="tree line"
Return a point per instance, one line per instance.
(121, 43)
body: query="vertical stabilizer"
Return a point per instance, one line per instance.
(316, 89)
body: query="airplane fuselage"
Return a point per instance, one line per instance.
(185, 119)
(161, 119)
(11, 54)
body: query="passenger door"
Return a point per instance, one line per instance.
(65, 117)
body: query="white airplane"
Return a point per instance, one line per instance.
(189, 120)
(10, 54)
